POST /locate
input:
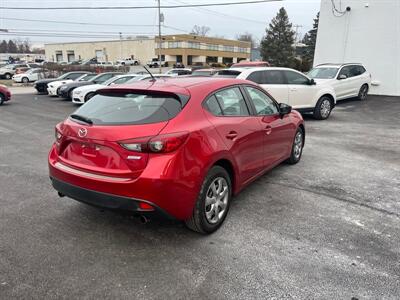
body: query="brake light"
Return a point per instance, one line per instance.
(145, 206)
(159, 144)
(58, 137)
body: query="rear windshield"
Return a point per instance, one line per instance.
(129, 109)
(228, 73)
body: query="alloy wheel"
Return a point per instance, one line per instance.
(216, 200)
(363, 93)
(298, 145)
(325, 108)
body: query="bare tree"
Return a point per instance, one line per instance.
(247, 37)
(200, 30)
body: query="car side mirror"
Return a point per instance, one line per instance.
(342, 76)
(312, 81)
(284, 109)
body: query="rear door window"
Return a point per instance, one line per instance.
(129, 109)
(232, 102)
(274, 77)
(213, 107)
(346, 71)
(256, 77)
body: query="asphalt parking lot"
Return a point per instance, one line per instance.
(326, 228)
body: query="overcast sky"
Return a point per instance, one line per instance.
(226, 21)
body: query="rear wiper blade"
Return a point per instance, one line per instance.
(81, 118)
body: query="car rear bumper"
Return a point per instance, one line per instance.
(159, 184)
(105, 200)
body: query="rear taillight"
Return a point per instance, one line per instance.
(159, 144)
(58, 135)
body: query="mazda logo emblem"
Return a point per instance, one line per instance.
(82, 132)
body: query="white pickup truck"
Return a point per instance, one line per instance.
(155, 63)
(128, 62)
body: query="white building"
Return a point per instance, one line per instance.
(369, 33)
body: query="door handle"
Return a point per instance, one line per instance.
(231, 135)
(268, 130)
(293, 89)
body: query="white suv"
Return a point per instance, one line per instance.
(348, 80)
(291, 87)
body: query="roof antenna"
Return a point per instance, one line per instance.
(148, 71)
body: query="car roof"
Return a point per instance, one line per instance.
(250, 63)
(337, 64)
(250, 70)
(180, 85)
(205, 70)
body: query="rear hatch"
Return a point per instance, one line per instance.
(108, 135)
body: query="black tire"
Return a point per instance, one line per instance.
(7, 76)
(89, 96)
(25, 80)
(323, 109)
(135, 63)
(363, 93)
(198, 221)
(2, 99)
(295, 154)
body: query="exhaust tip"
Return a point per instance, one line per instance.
(144, 219)
(60, 195)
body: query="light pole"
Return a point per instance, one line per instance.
(159, 34)
(120, 45)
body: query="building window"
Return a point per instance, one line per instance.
(227, 60)
(174, 45)
(229, 48)
(211, 59)
(70, 56)
(212, 47)
(194, 45)
(59, 56)
(242, 50)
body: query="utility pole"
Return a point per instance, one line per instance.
(159, 35)
(120, 45)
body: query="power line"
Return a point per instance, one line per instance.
(70, 31)
(137, 7)
(216, 13)
(78, 23)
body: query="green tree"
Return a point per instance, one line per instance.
(3, 47)
(277, 45)
(310, 39)
(12, 47)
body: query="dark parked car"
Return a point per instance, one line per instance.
(65, 90)
(41, 85)
(85, 77)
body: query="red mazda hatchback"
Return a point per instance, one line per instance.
(181, 147)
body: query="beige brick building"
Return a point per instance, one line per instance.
(185, 48)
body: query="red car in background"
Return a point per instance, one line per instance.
(251, 64)
(5, 94)
(178, 146)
